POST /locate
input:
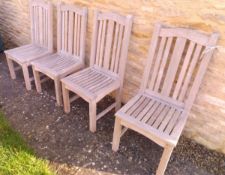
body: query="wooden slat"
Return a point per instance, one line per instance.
(146, 109)
(114, 47)
(190, 71)
(157, 63)
(102, 45)
(166, 120)
(163, 63)
(184, 69)
(118, 50)
(108, 44)
(71, 34)
(156, 114)
(150, 112)
(151, 55)
(99, 42)
(172, 123)
(173, 66)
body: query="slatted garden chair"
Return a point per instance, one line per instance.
(110, 41)
(177, 61)
(70, 48)
(42, 40)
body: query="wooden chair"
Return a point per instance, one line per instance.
(69, 58)
(42, 40)
(177, 61)
(110, 40)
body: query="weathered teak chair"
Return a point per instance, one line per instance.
(42, 40)
(110, 41)
(70, 48)
(176, 64)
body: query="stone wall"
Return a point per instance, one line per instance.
(206, 123)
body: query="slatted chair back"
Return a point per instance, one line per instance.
(41, 14)
(110, 41)
(71, 30)
(177, 61)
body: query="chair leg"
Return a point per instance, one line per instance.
(58, 91)
(164, 160)
(92, 116)
(37, 80)
(66, 99)
(118, 99)
(11, 68)
(116, 135)
(26, 77)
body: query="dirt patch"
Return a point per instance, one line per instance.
(64, 139)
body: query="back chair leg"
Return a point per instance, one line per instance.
(66, 99)
(26, 77)
(11, 68)
(93, 117)
(116, 134)
(58, 91)
(164, 160)
(118, 99)
(37, 80)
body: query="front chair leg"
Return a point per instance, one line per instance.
(66, 99)
(11, 68)
(92, 116)
(164, 160)
(58, 91)
(118, 99)
(26, 77)
(116, 134)
(37, 80)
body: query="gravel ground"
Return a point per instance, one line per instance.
(64, 139)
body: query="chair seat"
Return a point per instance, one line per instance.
(149, 114)
(57, 65)
(92, 83)
(27, 53)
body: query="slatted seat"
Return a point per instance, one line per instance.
(70, 48)
(154, 115)
(109, 49)
(27, 53)
(175, 67)
(57, 65)
(91, 81)
(42, 41)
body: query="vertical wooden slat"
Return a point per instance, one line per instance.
(50, 27)
(78, 34)
(75, 34)
(59, 28)
(32, 22)
(190, 71)
(102, 45)
(114, 47)
(108, 44)
(163, 63)
(40, 13)
(173, 66)
(151, 55)
(66, 31)
(94, 38)
(83, 33)
(99, 42)
(184, 69)
(157, 63)
(63, 31)
(70, 34)
(118, 50)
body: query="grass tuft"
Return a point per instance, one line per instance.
(16, 158)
